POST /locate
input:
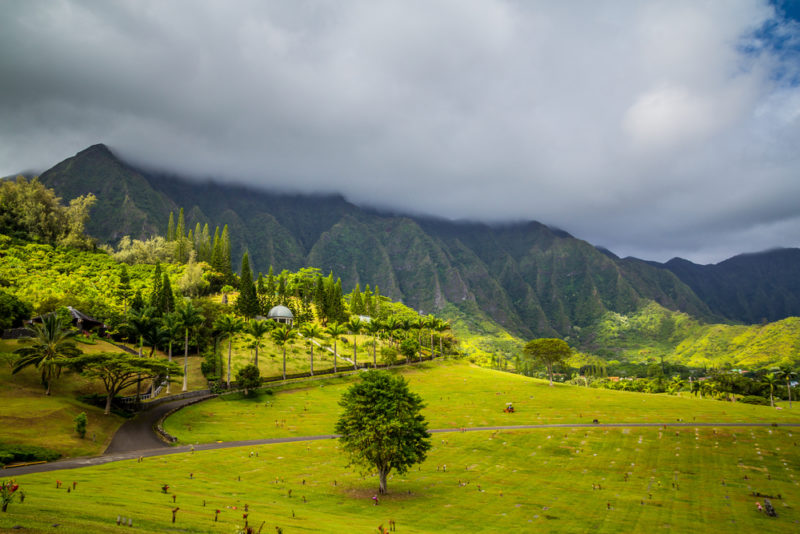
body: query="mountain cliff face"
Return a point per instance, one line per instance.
(527, 277)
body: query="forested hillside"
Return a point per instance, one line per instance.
(527, 277)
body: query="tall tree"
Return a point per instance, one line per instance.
(155, 294)
(282, 336)
(356, 302)
(355, 325)
(257, 330)
(124, 291)
(335, 331)
(171, 227)
(381, 426)
(190, 317)
(373, 328)
(228, 326)
(171, 326)
(247, 302)
(311, 331)
(787, 373)
(181, 251)
(547, 351)
(225, 258)
(771, 380)
(49, 343)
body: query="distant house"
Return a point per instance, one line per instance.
(80, 320)
(281, 314)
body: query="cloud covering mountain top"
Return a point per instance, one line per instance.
(657, 129)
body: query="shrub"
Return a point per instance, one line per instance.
(26, 453)
(754, 399)
(80, 424)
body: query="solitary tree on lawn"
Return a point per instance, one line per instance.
(257, 330)
(381, 427)
(355, 325)
(547, 351)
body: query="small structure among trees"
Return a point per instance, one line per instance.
(281, 314)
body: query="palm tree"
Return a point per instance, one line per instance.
(430, 324)
(171, 326)
(441, 327)
(49, 342)
(228, 326)
(257, 330)
(142, 323)
(281, 336)
(787, 373)
(189, 318)
(391, 325)
(675, 384)
(334, 331)
(771, 380)
(355, 326)
(373, 328)
(311, 331)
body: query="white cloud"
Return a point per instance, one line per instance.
(649, 127)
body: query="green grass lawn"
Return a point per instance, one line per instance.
(523, 481)
(495, 481)
(457, 395)
(29, 417)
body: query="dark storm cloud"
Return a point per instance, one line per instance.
(652, 128)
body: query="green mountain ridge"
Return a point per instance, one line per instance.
(528, 278)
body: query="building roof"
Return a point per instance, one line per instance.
(280, 312)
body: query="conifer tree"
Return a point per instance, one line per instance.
(197, 242)
(367, 301)
(356, 302)
(181, 251)
(124, 287)
(247, 303)
(166, 301)
(155, 295)
(204, 254)
(171, 227)
(225, 247)
(216, 252)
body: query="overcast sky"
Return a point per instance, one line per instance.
(653, 128)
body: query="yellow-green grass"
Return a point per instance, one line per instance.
(457, 395)
(29, 417)
(548, 480)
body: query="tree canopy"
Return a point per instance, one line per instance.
(547, 351)
(381, 426)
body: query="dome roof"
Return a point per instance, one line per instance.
(280, 312)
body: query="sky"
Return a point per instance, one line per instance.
(652, 128)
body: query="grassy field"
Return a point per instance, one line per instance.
(526, 481)
(544, 480)
(457, 395)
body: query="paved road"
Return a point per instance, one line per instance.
(137, 434)
(163, 449)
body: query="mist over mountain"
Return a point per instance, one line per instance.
(528, 277)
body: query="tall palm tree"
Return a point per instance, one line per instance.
(190, 318)
(771, 380)
(171, 326)
(787, 373)
(228, 326)
(355, 325)
(142, 322)
(430, 324)
(48, 343)
(374, 328)
(418, 324)
(391, 325)
(441, 327)
(311, 331)
(334, 331)
(257, 330)
(281, 336)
